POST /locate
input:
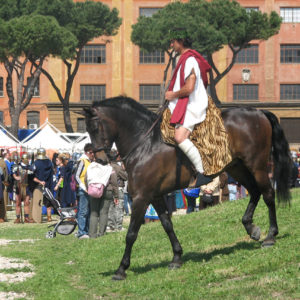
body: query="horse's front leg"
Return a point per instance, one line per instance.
(161, 209)
(137, 218)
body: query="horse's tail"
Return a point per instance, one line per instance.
(281, 158)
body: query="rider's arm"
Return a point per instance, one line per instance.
(186, 90)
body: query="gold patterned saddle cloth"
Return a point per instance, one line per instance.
(210, 137)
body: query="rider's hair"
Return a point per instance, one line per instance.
(180, 34)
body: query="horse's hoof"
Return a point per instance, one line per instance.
(268, 243)
(255, 234)
(174, 265)
(118, 277)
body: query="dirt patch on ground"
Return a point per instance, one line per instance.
(6, 276)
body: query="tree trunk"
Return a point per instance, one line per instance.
(213, 91)
(163, 86)
(67, 119)
(15, 117)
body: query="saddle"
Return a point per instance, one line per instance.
(210, 137)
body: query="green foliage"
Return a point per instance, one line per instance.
(92, 19)
(62, 25)
(211, 25)
(38, 36)
(153, 33)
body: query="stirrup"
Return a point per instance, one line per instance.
(201, 179)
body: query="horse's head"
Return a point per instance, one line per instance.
(101, 131)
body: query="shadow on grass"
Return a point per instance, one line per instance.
(194, 256)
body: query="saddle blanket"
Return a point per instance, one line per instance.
(210, 137)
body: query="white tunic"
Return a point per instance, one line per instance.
(198, 100)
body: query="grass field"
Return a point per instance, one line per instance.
(220, 261)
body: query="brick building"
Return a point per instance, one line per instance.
(112, 66)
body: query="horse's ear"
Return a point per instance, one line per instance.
(80, 112)
(86, 111)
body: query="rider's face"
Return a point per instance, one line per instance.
(177, 46)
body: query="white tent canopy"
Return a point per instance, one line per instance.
(7, 140)
(49, 137)
(78, 145)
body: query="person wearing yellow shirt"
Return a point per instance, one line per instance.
(83, 197)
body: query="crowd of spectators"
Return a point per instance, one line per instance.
(23, 177)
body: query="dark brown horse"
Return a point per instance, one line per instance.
(254, 136)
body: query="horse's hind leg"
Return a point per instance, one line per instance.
(269, 198)
(137, 218)
(244, 177)
(161, 209)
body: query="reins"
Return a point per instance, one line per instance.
(159, 114)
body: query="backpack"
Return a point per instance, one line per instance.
(97, 177)
(95, 190)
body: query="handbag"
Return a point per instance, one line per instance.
(95, 190)
(207, 198)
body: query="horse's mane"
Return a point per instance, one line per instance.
(129, 105)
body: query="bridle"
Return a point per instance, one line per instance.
(140, 141)
(104, 148)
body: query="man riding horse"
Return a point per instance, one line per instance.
(188, 99)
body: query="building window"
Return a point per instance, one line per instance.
(290, 92)
(149, 92)
(248, 55)
(148, 11)
(81, 127)
(36, 90)
(155, 57)
(291, 130)
(249, 9)
(290, 54)
(245, 92)
(1, 87)
(33, 119)
(92, 92)
(93, 54)
(1, 117)
(290, 14)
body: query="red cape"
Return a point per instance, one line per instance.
(180, 108)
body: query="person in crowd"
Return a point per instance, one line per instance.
(20, 172)
(83, 197)
(191, 195)
(127, 200)
(43, 177)
(151, 215)
(209, 193)
(3, 186)
(67, 198)
(7, 193)
(2, 206)
(224, 191)
(232, 187)
(170, 202)
(58, 184)
(116, 209)
(100, 207)
(54, 161)
(187, 98)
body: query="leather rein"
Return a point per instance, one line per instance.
(159, 114)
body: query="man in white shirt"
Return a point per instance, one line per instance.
(188, 99)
